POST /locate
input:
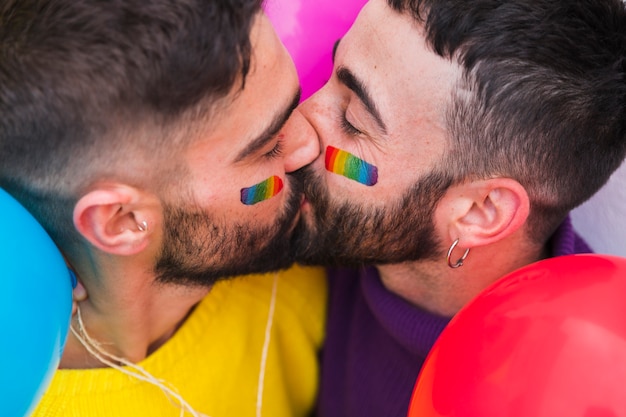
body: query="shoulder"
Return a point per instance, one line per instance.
(296, 286)
(304, 285)
(300, 300)
(302, 295)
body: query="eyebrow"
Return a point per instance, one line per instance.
(347, 78)
(272, 130)
(335, 46)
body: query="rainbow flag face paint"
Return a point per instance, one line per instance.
(344, 163)
(262, 191)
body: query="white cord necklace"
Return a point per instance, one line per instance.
(136, 371)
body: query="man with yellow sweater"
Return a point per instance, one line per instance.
(155, 140)
(214, 359)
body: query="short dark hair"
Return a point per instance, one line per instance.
(79, 77)
(542, 98)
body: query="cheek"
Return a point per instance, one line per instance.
(236, 192)
(262, 191)
(343, 163)
(375, 186)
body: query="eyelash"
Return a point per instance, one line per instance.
(347, 127)
(277, 150)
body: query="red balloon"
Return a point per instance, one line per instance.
(547, 340)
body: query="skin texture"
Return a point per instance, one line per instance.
(403, 141)
(407, 221)
(133, 306)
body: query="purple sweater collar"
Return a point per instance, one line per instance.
(416, 329)
(412, 327)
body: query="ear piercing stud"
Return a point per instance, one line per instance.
(142, 226)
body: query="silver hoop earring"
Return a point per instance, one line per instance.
(459, 262)
(143, 226)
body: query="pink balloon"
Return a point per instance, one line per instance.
(546, 340)
(309, 30)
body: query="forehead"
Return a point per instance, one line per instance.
(387, 50)
(269, 89)
(272, 70)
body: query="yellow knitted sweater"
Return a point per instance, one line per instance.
(214, 359)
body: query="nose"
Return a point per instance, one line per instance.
(316, 111)
(303, 144)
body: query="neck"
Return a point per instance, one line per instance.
(439, 289)
(130, 318)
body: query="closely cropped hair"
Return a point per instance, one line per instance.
(543, 95)
(78, 78)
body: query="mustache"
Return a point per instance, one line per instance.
(296, 181)
(310, 183)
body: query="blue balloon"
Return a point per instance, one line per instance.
(35, 308)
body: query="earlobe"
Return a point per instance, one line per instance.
(113, 219)
(491, 210)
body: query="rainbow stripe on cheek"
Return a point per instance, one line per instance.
(262, 191)
(344, 163)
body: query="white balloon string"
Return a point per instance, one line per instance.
(96, 350)
(137, 372)
(266, 345)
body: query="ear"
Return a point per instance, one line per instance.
(483, 212)
(115, 218)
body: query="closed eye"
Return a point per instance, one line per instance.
(348, 128)
(276, 151)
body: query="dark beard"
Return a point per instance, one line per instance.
(199, 251)
(352, 235)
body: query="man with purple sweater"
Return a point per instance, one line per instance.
(456, 138)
